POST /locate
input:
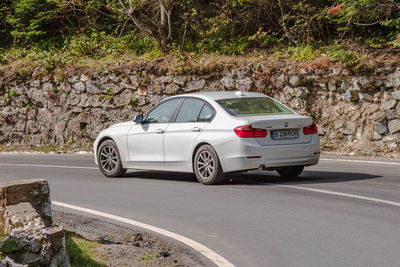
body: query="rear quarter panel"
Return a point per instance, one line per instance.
(220, 135)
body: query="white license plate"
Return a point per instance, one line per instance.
(284, 134)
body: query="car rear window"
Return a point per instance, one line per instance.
(253, 106)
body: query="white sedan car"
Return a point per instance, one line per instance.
(210, 134)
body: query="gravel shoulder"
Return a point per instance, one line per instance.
(123, 246)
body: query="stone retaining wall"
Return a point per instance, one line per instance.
(355, 110)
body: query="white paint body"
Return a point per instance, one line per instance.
(171, 146)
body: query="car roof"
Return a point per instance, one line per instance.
(218, 95)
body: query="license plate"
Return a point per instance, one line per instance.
(285, 134)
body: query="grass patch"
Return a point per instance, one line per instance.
(82, 252)
(149, 259)
(46, 148)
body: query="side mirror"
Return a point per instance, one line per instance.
(138, 118)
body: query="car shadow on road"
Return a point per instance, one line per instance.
(307, 177)
(258, 177)
(167, 176)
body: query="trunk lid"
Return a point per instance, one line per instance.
(281, 122)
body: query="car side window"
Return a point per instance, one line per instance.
(190, 110)
(163, 112)
(206, 114)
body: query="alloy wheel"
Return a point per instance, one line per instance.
(205, 165)
(108, 158)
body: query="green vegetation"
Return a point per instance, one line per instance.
(133, 101)
(81, 251)
(149, 259)
(45, 148)
(8, 95)
(53, 33)
(333, 52)
(9, 246)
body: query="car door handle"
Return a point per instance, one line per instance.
(160, 131)
(196, 129)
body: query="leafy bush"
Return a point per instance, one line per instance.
(302, 52)
(93, 44)
(376, 21)
(139, 43)
(32, 18)
(340, 54)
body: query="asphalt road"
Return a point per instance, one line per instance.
(256, 219)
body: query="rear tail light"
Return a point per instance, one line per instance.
(248, 131)
(312, 129)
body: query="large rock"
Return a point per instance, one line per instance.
(396, 95)
(79, 87)
(394, 126)
(195, 85)
(365, 97)
(34, 191)
(227, 82)
(391, 114)
(351, 95)
(366, 82)
(91, 88)
(356, 85)
(389, 104)
(381, 127)
(244, 84)
(295, 81)
(26, 218)
(171, 88)
(36, 97)
(332, 85)
(378, 116)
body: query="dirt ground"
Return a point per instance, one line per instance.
(122, 246)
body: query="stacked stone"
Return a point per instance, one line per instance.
(352, 110)
(26, 219)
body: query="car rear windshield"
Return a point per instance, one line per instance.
(253, 106)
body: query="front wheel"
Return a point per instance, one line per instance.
(290, 172)
(207, 167)
(109, 159)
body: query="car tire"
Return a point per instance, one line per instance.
(109, 159)
(290, 172)
(207, 167)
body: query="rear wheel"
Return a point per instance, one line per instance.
(290, 172)
(109, 159)
(207, 167)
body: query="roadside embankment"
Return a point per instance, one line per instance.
(110, 244)
(32, 235)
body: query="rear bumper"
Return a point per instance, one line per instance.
(234, 156)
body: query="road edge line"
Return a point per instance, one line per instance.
(205, 251)
(48, 166)
(328, 192)
(360, 161)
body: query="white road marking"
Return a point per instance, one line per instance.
(361, 161)
(48, 166)
(210, 254)
(377, 200)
